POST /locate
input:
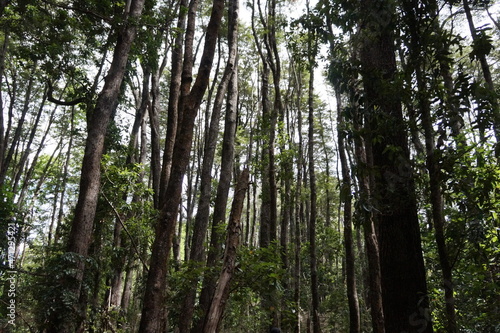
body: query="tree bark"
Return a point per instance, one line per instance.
(346, 197)
(202, 216)
(165, 228)
(313, 212)
(221, 295)
(404, 287)
(226, 172)
(174, 103)
(83, 221)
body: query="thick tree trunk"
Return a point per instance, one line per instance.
(81, 229)
(364, 161)
(404, 288)
(221, 295)
(154, 297)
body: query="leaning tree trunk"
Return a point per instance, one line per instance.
(221, 295)
(226, 171)
(81, 229)
(154, 297)
(202, 216)
(485, 67)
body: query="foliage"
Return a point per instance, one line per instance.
(63, 49)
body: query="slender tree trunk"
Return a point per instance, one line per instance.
(173, 102)
(165, 228)
(3, 136)
(202, 216)
(18, 132)
(60, 214)
(346, 197)
(226, 171)
(297, 269)
(154, 123)
(268, 216)
(485, 67)
(313, 213)
(27, 148)
(436, 198)
(221, 295)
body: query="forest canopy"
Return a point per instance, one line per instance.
(225, 166)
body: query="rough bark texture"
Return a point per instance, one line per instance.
(154, 297)
(81, 229)
(404, 289)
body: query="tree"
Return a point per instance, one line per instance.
(81, 230)
(346, 196)
(165, 227)
(404, 288)
(214, 315)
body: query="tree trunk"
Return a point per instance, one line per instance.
(313, 213)
(156, 283)
(226, 171)
(83, 221)
(221, 295)
(346, 197)
(19, 129)
(485, 67)
(173, 102)
(404, 288)
(3, 134)
(202, 216)
(268, 216)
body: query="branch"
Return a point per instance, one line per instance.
(81, 10)
(126, 230)
(51, 98)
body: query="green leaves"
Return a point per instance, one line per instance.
(482, 44)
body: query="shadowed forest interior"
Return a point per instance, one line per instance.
(225, 166)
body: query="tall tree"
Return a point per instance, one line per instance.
(312, 46)
(191, 100)
(417, 19)
(81, 228)
(202, 216)
(214, 315)
(404, 287)
(346, 197)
